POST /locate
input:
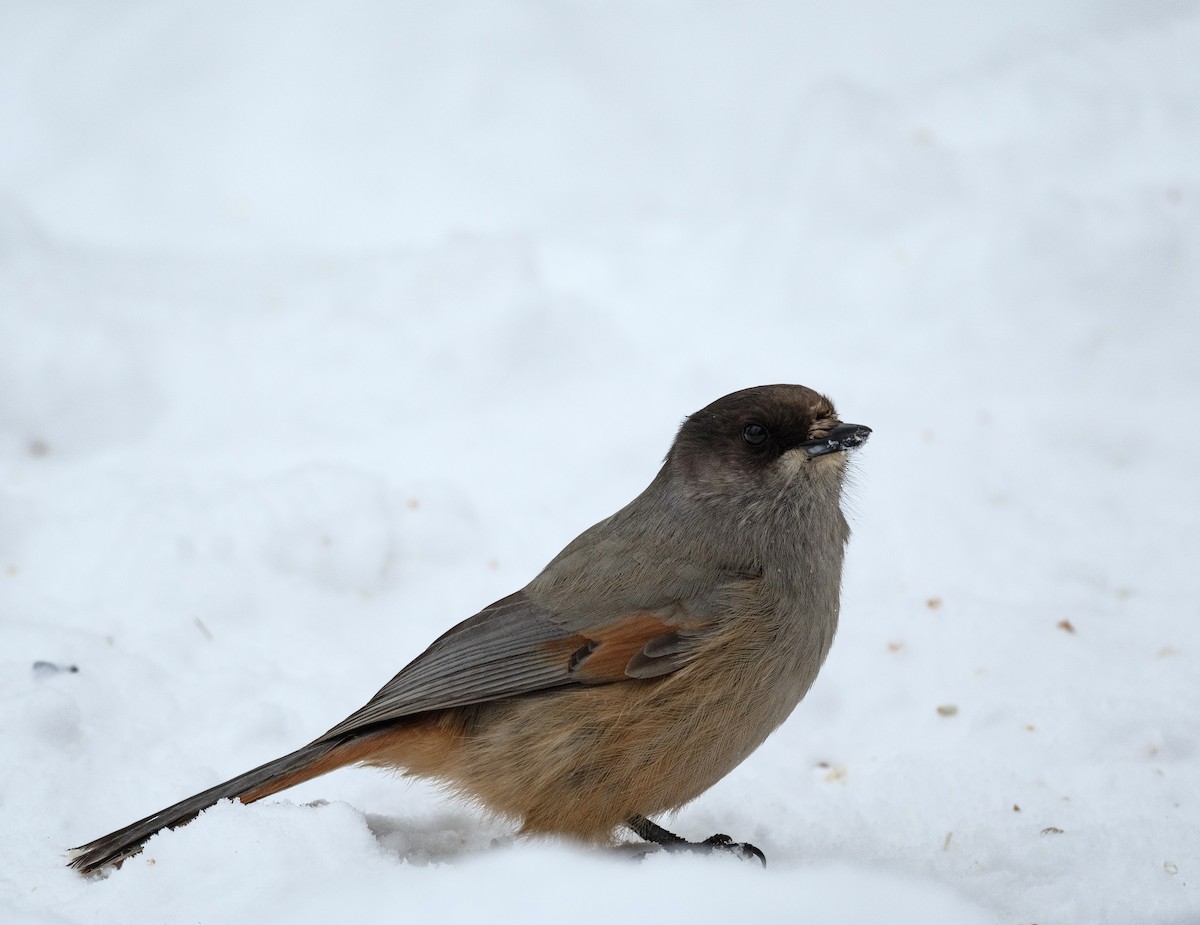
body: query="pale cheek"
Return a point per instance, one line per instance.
(829, 461)
(793, 462)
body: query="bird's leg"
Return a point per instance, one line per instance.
(669, 841)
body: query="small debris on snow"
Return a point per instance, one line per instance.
(45, 669)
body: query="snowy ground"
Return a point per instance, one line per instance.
(323, 325)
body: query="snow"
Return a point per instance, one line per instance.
(324, 325)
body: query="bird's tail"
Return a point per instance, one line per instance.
(303, 764)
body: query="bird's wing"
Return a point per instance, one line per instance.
(516, 647)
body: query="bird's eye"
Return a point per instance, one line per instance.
(755, 434)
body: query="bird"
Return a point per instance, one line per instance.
(646, 661)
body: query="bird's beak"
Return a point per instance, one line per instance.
(841, 438)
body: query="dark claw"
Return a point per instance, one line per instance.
(669, 841)
(743, 850)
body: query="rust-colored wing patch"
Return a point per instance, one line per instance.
(662, 655)
(516, 647)
(637, 646)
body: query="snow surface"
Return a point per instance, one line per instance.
(323, 325)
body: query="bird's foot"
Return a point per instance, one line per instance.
(739, 849)
(669, 841)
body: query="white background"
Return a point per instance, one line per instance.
(324, 324)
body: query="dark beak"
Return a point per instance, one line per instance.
(841, 438)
